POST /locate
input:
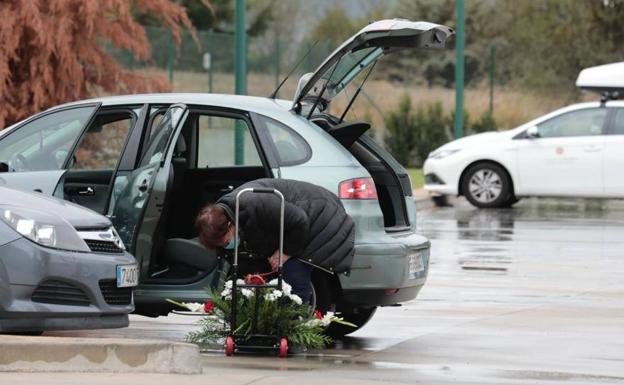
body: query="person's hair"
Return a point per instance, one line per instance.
(212, 224)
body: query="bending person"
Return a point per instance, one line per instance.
(317, 230)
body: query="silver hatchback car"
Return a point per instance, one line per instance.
(150, 162)
(61, 266)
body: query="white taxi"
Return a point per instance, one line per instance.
(575, 151)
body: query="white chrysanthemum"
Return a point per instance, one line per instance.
(328, 318)
(273, 281)
(226, 293)
(228, 284)
(286, 288)
(195, 307)
(248, 293)
(240, 282)
(295, 298)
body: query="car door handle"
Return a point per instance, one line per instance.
(143, 186)
(86, 192)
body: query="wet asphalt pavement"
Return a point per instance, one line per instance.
(529, 295)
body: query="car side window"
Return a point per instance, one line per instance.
(618, 122)
(44, 143)
(102, 144)
(160, 135)
(225, 142)
(291, 148)
(586, 122)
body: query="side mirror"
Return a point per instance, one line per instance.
(532, 132)
(4, 167)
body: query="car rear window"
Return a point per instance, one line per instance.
(289, 146)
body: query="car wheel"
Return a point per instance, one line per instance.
(324, 300)
(440, 201)
(511, 200)
(359, 317)
(487, 185)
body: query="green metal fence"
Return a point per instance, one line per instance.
(189, 68)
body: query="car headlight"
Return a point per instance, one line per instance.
(439, 154)
(46, 229)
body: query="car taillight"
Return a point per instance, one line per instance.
(360, 188)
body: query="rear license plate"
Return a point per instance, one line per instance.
(415, 265)
(127, 275)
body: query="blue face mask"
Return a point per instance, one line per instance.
(230, 245)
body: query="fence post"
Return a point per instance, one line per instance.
(240, 66)
(459, 70)
(491, 70)
(211, 61)
(171, 54)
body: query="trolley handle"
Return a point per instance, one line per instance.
(260, 190)
(264, 190)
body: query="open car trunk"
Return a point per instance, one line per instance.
(391, 179)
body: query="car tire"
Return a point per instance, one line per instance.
(487, 185)
(511, 200)
(440, 200)
(325, 300)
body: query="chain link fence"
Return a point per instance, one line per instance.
(207, 64)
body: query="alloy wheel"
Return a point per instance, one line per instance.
(485, 185)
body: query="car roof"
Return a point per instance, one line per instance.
(242, 102)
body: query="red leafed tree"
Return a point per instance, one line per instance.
(52, 51)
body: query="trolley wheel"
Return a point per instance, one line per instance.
(283, 348)
(229, 346)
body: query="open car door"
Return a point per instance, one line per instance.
(137, 197)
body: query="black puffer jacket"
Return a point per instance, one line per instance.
(317, 228)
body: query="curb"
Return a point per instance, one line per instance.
(67, 354)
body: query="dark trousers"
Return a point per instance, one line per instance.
(297, 274)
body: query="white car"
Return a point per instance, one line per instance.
(576, 151)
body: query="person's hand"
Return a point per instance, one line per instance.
(274, 259)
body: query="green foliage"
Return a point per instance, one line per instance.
(219, 16)
(432, 127)
(334, 27)
(401, 132)
(416, 177)
(411, 136)
(485, 123)
(437, 67)
(540, 44)
(291, 319)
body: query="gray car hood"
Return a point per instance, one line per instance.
(77, 216)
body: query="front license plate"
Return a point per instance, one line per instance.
(127, 275)
(415, 265)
